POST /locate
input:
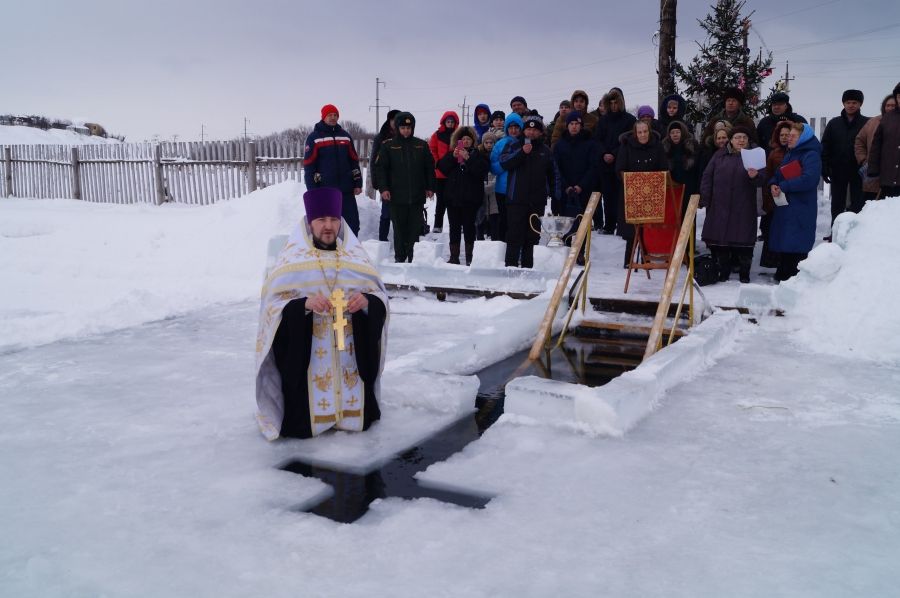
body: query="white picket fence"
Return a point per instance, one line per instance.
(185, 172)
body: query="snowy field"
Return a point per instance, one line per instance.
(20, 135)
(132, 465)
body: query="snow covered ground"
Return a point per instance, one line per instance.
(20, 135)
(132, 466)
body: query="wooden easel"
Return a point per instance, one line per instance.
(656, 223)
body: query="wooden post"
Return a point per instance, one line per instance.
(76, 174)
(7, 157)
(662, 310)
(666, 66)
(251, 167)
(158, 174)
(584, 229)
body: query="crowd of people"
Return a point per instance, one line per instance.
(490, 178)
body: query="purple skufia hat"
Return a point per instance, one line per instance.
(322, 202)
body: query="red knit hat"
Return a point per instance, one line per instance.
(328, 109)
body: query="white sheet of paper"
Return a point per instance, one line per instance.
(754, 158)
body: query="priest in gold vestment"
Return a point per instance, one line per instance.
(322, 334)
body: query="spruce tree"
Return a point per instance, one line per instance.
(723, 62)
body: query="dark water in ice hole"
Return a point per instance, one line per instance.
(589, 361)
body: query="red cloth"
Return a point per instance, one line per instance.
(660, 238)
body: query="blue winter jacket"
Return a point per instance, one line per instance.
(330, 160)
(496, 168)
(479, 128)
(794, 225)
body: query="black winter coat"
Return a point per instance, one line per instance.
(609, 130)
(532, 177)
(465, 182)
(578, 161)
(838, 156)
(635, 157)
(405, 168)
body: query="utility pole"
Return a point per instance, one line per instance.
(666, 68)
(246, 120)
(463, 108)
(202, 133)
(786, 81)
(378, 84)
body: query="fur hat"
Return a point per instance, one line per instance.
(488, 135)
(405, 119)
(580, 93)
(734, 93)
(518, 99)
(852, 94)
(740, 129)
(534, 122)
(461, 132)
(498, 114)
(565, 103)
(322, 202)
(780, 98)
(328, 109)
(645, 111)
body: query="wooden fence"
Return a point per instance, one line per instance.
(186, 172)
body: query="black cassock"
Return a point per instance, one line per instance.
(292, 347)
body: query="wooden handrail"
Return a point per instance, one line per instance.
(584, 230)
(665, 299)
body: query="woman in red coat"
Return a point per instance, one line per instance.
(439, 144)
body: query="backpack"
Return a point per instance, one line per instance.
(705, 270)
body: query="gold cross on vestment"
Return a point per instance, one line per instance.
(323, 404)
(339, 304)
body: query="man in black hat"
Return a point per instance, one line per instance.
(533, 177)
(732, 113)
(779, 109)
(839, 167)
(405, 173)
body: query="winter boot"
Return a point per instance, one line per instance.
(454, 253)
(723, 263)
(470, 247)
(512, 254)
(745, 260)
(528, 255)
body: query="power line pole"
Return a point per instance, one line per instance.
(378, 84)
(246, 120)
(786, 80)
(666, 69)
(202, 132)
(463, 108)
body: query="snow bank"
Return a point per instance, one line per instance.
(615, 408)
(71, 268)
(842, 301)
(20, 135)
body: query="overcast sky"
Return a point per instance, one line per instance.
(167, 67)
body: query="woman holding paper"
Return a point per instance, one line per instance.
(728, 192)
(795, 184)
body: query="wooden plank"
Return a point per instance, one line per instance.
(623, 328)
(76, 175)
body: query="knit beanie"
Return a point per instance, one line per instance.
(645, 111)
(518, 99)
(498, 114)
(574, 115)
(534, 122)
(328, 109)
